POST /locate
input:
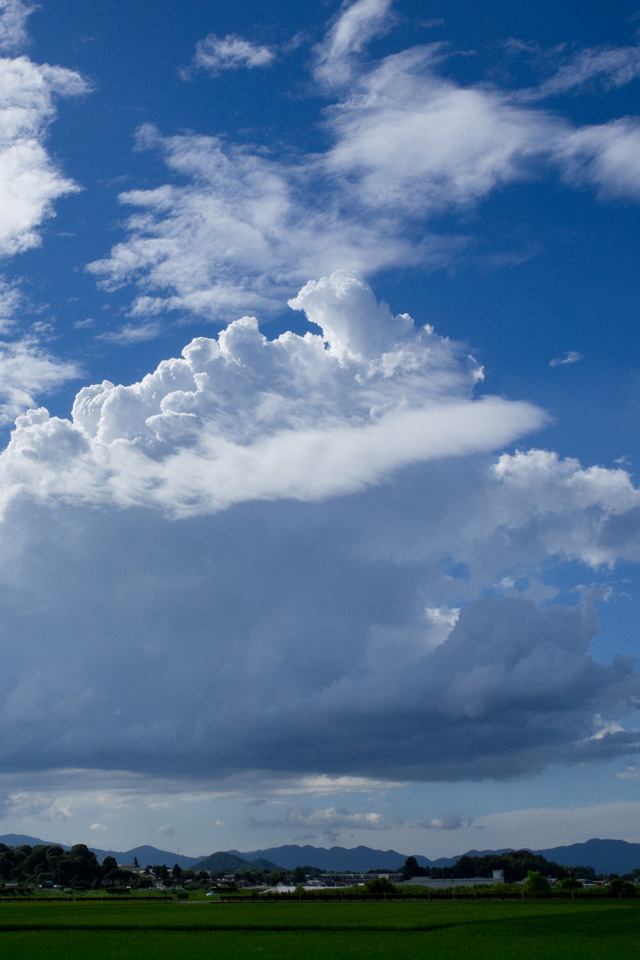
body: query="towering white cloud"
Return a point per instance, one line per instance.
(268, 536)
(243, 418)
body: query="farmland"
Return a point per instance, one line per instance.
(448, 931)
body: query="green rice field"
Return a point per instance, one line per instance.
(544, 930)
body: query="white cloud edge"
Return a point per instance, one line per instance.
(384, 394)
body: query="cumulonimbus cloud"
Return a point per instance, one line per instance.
(281, 538)
(308, 556)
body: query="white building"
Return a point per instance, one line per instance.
(448, 882)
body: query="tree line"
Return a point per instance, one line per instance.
(516, 865)
(79, 869)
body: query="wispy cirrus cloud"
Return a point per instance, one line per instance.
(347, 37)
(329, 822)
(323, 785)
(240, 235)
(30, 183)
(559, 825)
(600, 68)
(29, 179)
(26, 372)
(631, 772)
(459, 144)
(13, 20)
(216, 54)
(237, 228)
(606, 156)
(446, 822)
(571, 356)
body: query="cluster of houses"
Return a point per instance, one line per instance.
(336, 879)
(344, 879)
(497, 877)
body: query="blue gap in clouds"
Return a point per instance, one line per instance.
(578, 290)
(618, 610)
(469, 23)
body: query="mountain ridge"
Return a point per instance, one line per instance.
(604, 855)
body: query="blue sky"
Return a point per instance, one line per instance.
(318, 399)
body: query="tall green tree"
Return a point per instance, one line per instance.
(536, 885)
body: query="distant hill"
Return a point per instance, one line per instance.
(605, 856)
(357, 859)
(145, 854)
(229, 861)
(21, 840)
(261, 864)
(449, 861)
(148, 856)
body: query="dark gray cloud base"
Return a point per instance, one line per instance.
(293, 637)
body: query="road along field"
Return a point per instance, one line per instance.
(195, 930)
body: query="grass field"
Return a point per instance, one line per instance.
(398, 931)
